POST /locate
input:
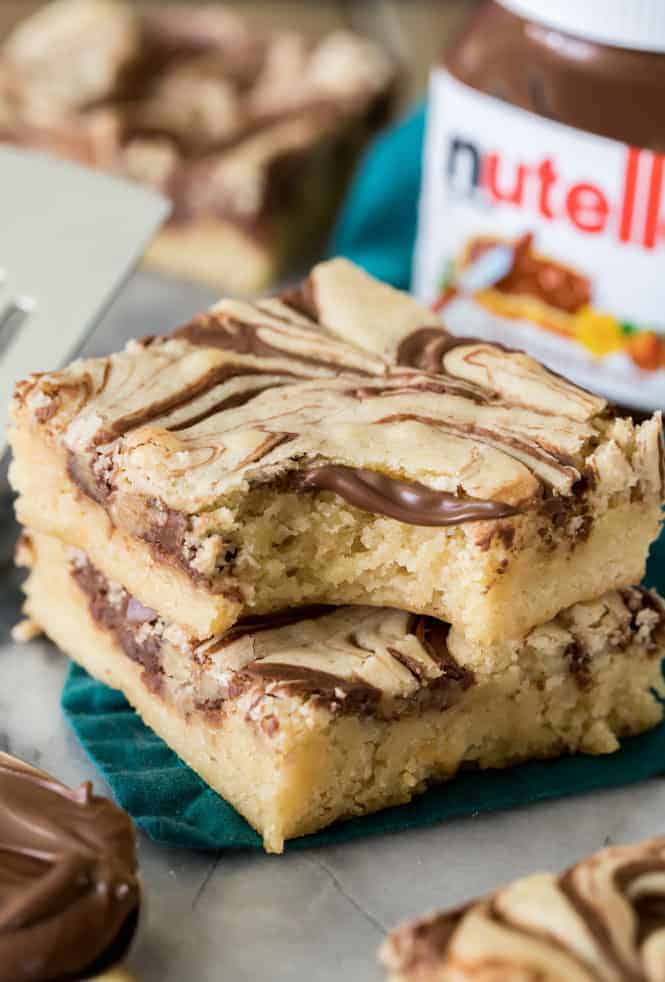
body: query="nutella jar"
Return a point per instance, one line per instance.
(542, 213)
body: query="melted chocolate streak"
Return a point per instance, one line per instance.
(649, 911)
(69, 895)
(353, 695)
(258, 623)
(357, 695)
(118, 620)
(424, 349)
(223, 405)
(216, 376)
(409, 502)
(405, 501)
(214, 331)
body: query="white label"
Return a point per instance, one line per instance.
(593, 205)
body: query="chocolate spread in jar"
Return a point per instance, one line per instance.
(605, 89)
(542, 220)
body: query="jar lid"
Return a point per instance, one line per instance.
(637, 24)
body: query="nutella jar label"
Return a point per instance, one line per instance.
(547, 238)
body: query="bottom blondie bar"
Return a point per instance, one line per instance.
(321, 713)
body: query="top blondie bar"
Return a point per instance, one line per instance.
(336, 445)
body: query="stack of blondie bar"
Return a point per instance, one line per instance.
(332, 553)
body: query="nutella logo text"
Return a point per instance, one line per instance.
(631, 212)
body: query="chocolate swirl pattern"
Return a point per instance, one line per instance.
(69, 894)
(375, 661)
(296, 405)
(271, 329)
(223, 418)
(233, 384)
(603, 920)
(378, 661)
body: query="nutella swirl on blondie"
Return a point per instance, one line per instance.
(256, 457)
(602, 920)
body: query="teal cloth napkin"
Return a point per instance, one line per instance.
(168, 800)
(377, 226)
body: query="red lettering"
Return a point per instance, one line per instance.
(490, 179)
(539, 187)
(628, 196)
(548, 178)
(652, 219)
(587, 207)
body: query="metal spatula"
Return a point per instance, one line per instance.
(68, 238)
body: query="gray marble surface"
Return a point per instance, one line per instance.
(316, 914)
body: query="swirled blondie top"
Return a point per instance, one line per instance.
(336, 445)
(602, 920)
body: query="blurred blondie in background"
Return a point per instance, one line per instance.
(249, 116)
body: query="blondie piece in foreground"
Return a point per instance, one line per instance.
(316, 714)
(251, 132)
(602, 920)
(259, 460)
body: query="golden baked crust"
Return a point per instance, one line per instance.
(602, 920)
(312, 715)
(272, 453)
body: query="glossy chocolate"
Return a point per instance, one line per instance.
(121, 619)
(256, 399)
(406, 501)
(614, 92)
(270, 664)
(69, 894)
(424, 349)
